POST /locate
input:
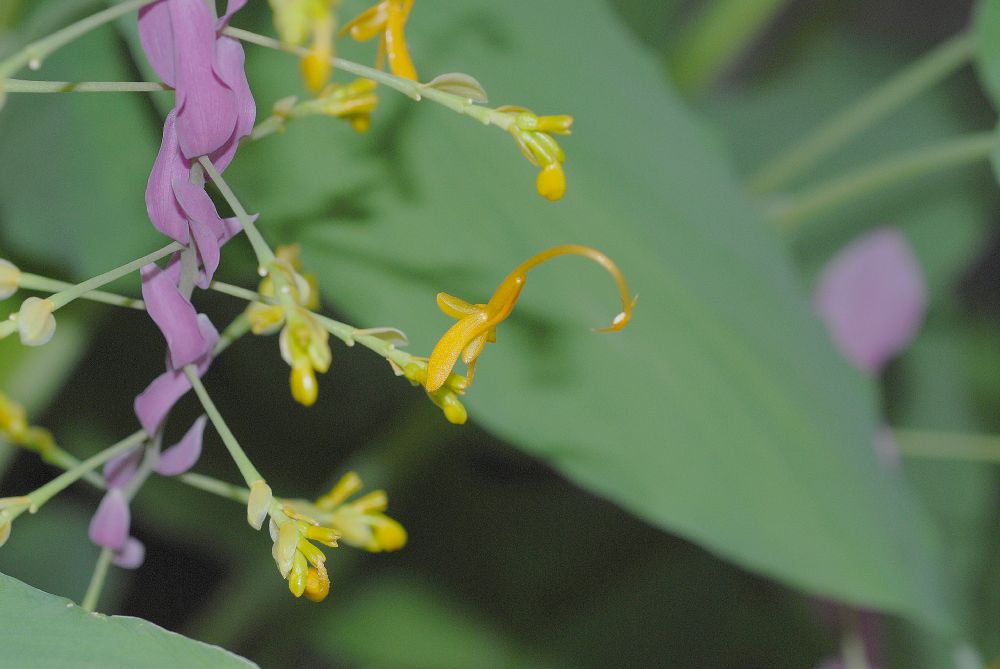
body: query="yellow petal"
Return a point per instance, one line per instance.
(455, 307)
(400, 62)
(450, 347)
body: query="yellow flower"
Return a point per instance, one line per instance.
(298, 560)
(533, 135)
(353, 102)
(477, 323)
(298, 20)
(387, 20)
(361, 523)
(304, 342)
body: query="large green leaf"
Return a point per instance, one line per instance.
(40, 630)
(722, 414)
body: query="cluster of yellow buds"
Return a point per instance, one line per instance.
(14, 428)
(446, 396)
(353, 102)
(361, 523)
(386, 20)
(304, 342)
(477, 323)
(533, 135)
(299, 20)
(298, 560)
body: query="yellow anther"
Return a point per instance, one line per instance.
(317, 583)
(466, 337)
(10, 277)
(389, 535)
(297, 575)
(305, 389)
(551, 182)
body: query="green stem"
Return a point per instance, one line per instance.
(248, 471)
(265, 256)
(236, 329)
(33, 54)
(66, 296)
(43, 494)
(27, 86)
(45, 284)
(412, 89)
(719, 36)
(790, 213)
(216, 487)
(949, 445)
(342, 331)
(877, 105)
(97, 580)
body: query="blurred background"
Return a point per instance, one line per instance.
(509, 562)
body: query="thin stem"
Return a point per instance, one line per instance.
(27, 86)
(412, 89)
(877, 105)
(216, 487)
(66, 296)
(949, 445)
(342, 331)
(45, 284)
(792, 212)
(36, 52)
(43, 494)
(719, 36)
(249, 472)
(97, 580)
(236, 329)
(265, 256)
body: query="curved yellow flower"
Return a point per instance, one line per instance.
(477, 323)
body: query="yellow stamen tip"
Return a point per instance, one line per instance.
(551, 182)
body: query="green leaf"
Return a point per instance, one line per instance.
(722, 413)
(77, 164)
(428, 631)
(41, 630)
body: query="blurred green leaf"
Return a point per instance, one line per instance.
(722, 413)
(76, 167)
(71, 637)
(987, 27)
(400, 623)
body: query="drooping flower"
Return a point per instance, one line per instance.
(872, 298)
(477, 323)
(109, 528)
(36, 323)
(298, 560)
(10, 277)
(386, 20)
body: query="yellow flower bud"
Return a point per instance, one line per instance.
(259, 503)
(4, 530)
(311, 553)
(348, 484)
(10, 277)
(316, 67)
(317, 583)
(305, 389)
(551, 182)
(325, 535)
(265, 318)
(297, 575)
(35, 322)
(285, 547)
(560, 124)
(13, 419)
(389, 534)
